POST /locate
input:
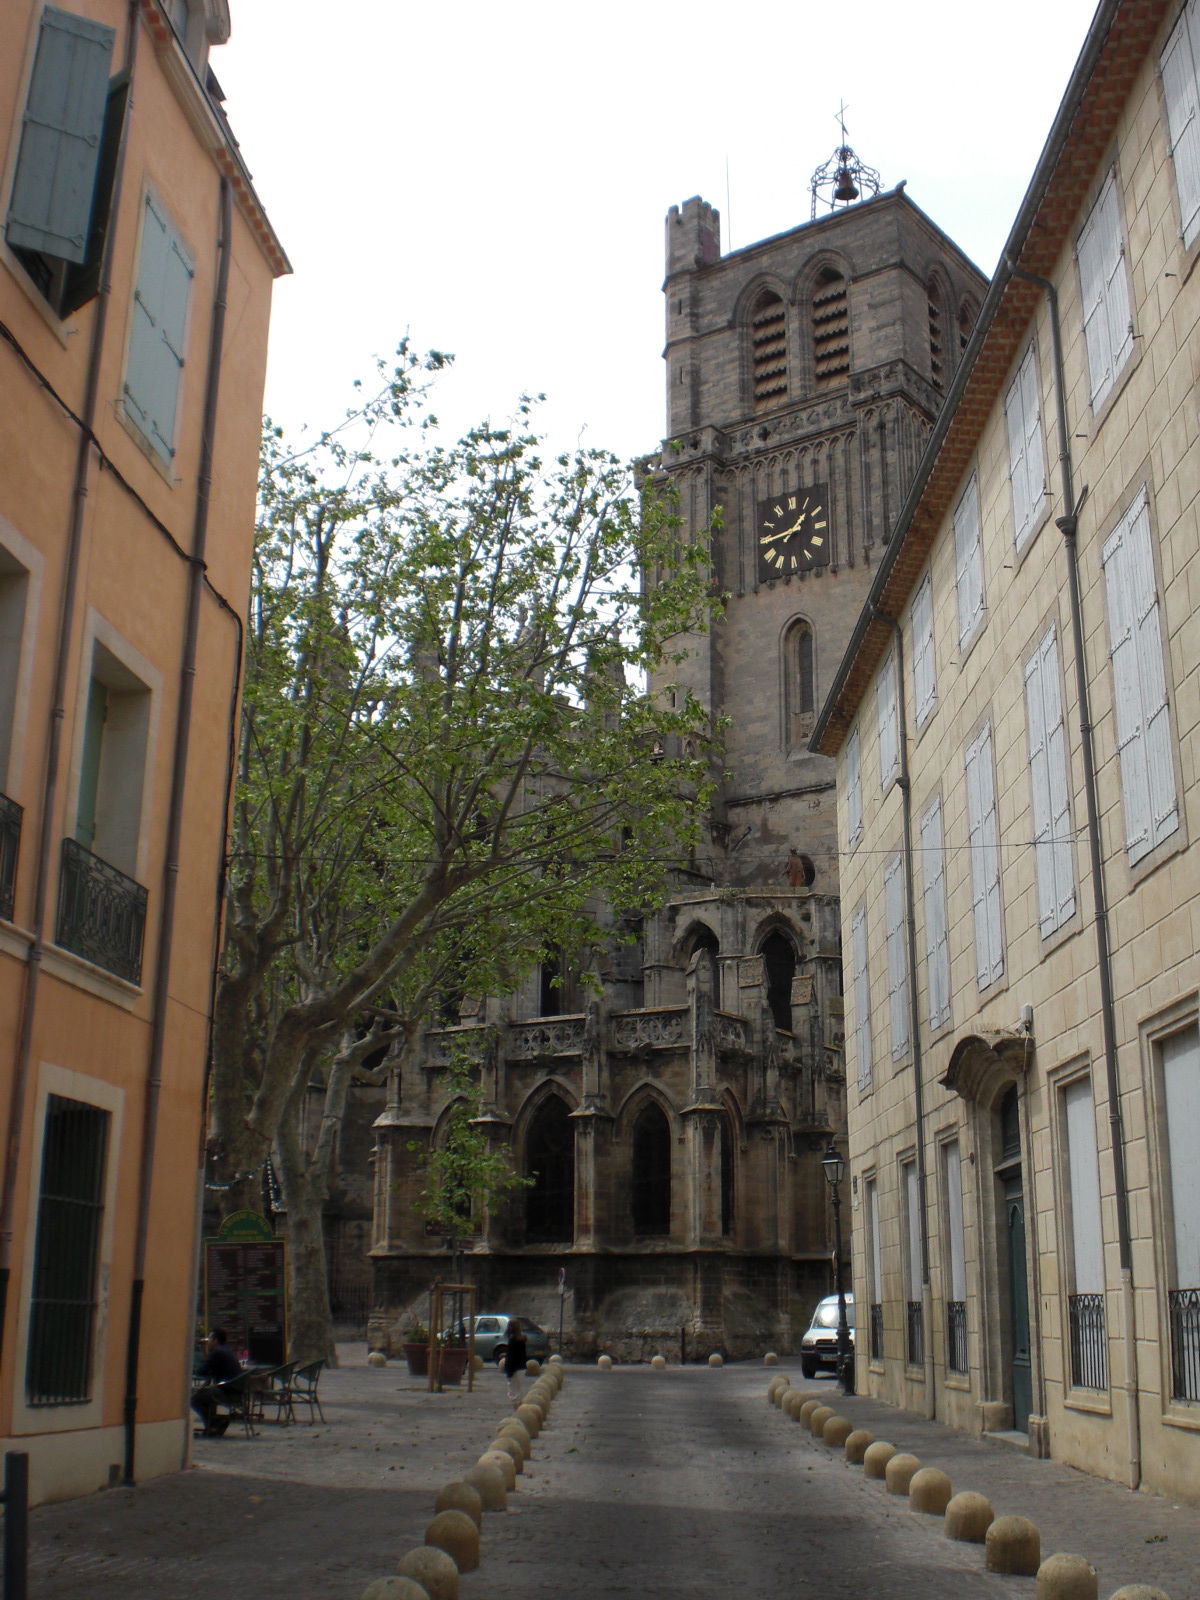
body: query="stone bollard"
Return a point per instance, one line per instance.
(716, 1359)
(604, 1363)
(836, 1431)
(876, 1457)
(658, 1362)
(1065, 1577)
(511, 1448)
(488, 1481)
(792, 1403)
(770, 1359)
(968, 1517)
(556, 1360)
(394, 1588)
(818, 1418)
(457, 1535)
(1139, 1591)
(460, 1496)
(1013, 1545)
(856, 1446)
(501, 1460)
(530, 1418)
(533, 1367)
(778, 1386)
(900, 1472)
(377, 1359)
(807, 1408)
(514, 1430)
(433, 1569)
(930, 1491)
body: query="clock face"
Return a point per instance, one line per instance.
(792, 531)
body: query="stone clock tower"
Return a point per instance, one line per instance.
(672, 1129)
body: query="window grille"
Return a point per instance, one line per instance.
(956, 1335)
(876, 1332)
(830, 330)
(1183, 1306)
(10, 841)
(1089, 1347)
(101, 913)
(916, 1334)
(62, 1313)
(768, 333)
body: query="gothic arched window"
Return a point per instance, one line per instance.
(768, 350)
(799, 683)
(779, 965)
(830, 329)
(651, 1177)
(550, 1163)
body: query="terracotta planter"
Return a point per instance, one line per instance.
(417, 1356)
(452, 1363)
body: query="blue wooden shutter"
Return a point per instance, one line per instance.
(156, 338)
(51, 204)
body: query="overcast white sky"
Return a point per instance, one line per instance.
(493, 178)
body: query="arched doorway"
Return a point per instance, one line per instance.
(651, 1175)
(550, 1163)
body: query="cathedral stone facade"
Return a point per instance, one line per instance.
(673, 1125)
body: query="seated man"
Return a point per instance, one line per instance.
(218, 1366)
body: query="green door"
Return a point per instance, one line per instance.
(1018, 1301)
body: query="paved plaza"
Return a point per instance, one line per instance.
(654, 1484)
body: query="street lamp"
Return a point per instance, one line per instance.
(833, 1167)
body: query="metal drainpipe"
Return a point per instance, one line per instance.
(170, 876)
(66, 629)
(1068, 525)
(904, 784)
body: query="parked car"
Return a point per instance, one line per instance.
(491, 1331)
(818, 1348)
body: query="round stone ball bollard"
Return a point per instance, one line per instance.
(460, 1496)
(376, 1359)
(856, 1446)
(433, 1569)
(1013, 1545)
(511, 1449)
(658, 1363)
(530, 1418)
(777, 1388)
(504, 1463)
(876, 1457)
(716, 1359)
(836, 1431)
(900, 1472)
(457, 1535)
(533, 1367)
(791, 1404)
(394, 1588)
(514, 1430)
(770, 1359)
(807, 1407)
(930, 1491)
(968, 1517)
(1064, 1577)
(818, 1418)
(488, 1482)
(556, 1360)
(1139, 1591)
(604, 1363)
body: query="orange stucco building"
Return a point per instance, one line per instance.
(136, 268)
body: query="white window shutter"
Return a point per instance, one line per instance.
(1105, 292)
(933, 896)
(1014, 417)
(1031, 411)
(862, 996)
(968, 562)
(1179, 75)
(854, 811)
(1048, 776)
(51, 206)
(889, 748)
(897, 956)
(985, 860)
(924, 682)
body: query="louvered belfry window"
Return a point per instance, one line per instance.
(768, 336)
(937, 355)
(831, 330)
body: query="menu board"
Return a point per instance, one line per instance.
(245, 1293)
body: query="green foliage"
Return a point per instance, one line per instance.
(463, 1173)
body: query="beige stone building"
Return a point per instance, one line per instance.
(1016, 725)
(136, 268)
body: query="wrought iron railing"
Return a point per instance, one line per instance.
(1184, 1308)
(1089, 1347)
(916, 1335)
(956, 1335)
(101, 913)
(10, 842)
(876, 1332)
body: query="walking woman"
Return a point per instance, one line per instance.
(515, 1357)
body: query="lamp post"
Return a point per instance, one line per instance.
(833, 1166)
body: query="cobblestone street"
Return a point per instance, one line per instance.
(685, 1482)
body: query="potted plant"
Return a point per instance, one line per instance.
(415, 1345)
(452, 1358)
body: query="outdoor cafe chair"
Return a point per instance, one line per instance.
(303, 1388)
(242, 1397)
